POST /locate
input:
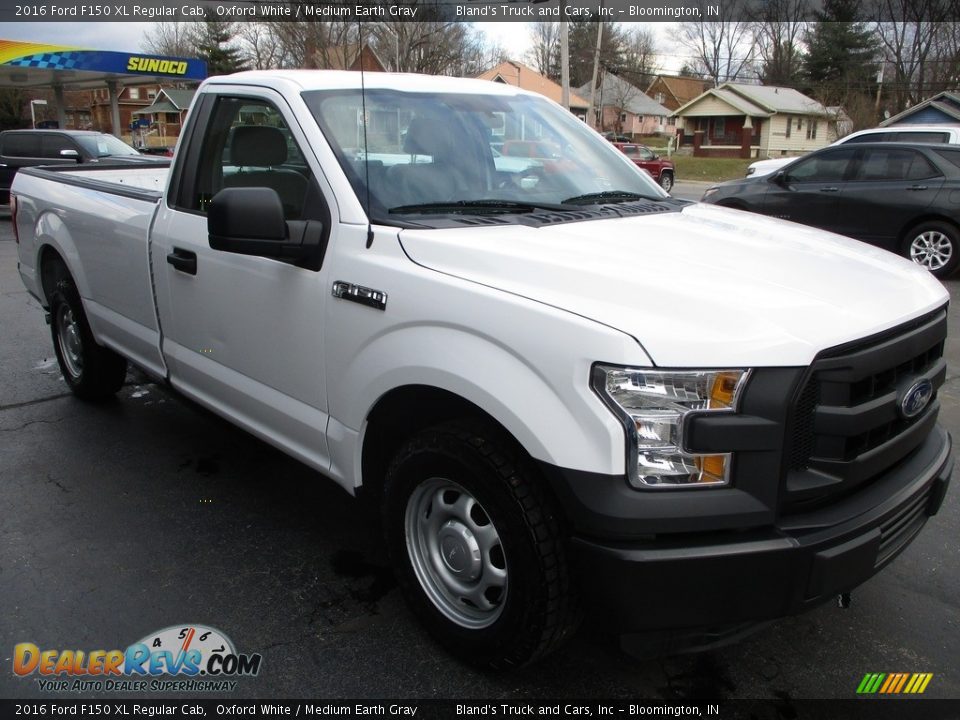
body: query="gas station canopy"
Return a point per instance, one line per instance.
(37, 65)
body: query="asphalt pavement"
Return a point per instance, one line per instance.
(118, 520)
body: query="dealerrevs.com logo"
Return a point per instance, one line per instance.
(180, 658)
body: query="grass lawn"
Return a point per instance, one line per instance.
(712, 169)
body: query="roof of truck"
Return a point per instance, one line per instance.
(350, 79)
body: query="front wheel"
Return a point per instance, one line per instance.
(934, 246)
(666, 181)
(90, 370)
(477, 546)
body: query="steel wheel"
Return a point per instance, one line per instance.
(933, 249)
(456, 553)
(68, 338)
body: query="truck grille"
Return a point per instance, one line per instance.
(847, 426)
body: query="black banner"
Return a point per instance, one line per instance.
(772, 709)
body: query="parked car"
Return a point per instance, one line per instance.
(616, 137)
(898, 197)
(660, 169)
(949, 134)
(573, 391)
(29, 148)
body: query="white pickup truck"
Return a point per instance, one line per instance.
(561, 388)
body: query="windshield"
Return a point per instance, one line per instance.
(460, 152)
(104, 145)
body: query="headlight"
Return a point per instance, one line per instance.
(709, 192)
(652, 405)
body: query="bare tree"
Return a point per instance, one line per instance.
(179, 39)
(778, 28)
(640, 56)
(544, 53)
(721, 51)
(912, 37)
(263, 47)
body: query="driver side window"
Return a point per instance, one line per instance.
(248, 144)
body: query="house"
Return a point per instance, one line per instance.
(626, 109)
(747, 121)
(348, 57)
(941, 109)
(673, 92)
(511, 72)
(163, 119)
(131, 98)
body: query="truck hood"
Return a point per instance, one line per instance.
(706, 286)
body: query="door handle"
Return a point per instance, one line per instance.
(183, 260)
(830, 189)
(918, 187)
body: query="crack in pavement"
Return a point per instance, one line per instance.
(30, 422)
(52, 479)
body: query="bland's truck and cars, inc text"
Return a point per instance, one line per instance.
(561, 388)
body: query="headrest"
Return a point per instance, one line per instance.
(429, 136)
(258, 146)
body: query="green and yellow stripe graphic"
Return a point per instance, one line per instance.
(894, 683)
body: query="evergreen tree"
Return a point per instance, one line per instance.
(842, 54)
(213, 46)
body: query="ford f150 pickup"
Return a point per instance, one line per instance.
(562, 388)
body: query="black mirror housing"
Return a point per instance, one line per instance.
(249, 221)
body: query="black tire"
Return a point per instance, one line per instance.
(90, 370)
(447, 467)
(934, 245)
(666, 181)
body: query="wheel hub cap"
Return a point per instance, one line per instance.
(460, 550)
(931, 249)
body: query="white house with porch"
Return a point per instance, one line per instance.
(746, 121)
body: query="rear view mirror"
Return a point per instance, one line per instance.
(249, 221)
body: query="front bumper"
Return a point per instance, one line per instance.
(729, 578)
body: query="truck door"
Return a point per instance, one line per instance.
(242, 333)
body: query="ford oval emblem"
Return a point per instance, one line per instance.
(916, 399)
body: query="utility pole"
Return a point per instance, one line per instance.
(596, 67)
(564, 57)
(876, 107)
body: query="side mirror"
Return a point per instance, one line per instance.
(249, 221)
(780, 178)
(70, 155)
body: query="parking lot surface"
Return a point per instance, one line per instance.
(119, 520)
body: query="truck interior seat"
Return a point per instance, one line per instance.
(259, 151)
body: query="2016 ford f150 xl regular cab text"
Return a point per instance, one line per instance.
(561, 387)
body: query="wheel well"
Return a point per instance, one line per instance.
(52, 270)
(399, 415)
(925, 219)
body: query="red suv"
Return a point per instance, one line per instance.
(642, 156)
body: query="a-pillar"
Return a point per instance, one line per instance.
(114, 108)
(746, 137)
(61, 107)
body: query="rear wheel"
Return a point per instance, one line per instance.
(90, 370)
(477, 546)
(934, 246)
(666, 181)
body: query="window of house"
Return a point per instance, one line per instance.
(799, 123)
(151, 94)
(719, 127)
(789, 125)
(134, 93)
(812, 130)
(623, 118)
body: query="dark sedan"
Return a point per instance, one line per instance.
(903, 198)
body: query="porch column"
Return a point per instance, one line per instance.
(746, 137)
(697, 143)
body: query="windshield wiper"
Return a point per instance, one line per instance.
(474, 206)
(607, 196)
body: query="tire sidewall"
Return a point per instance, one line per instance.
(523, 603)
(666, 178)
